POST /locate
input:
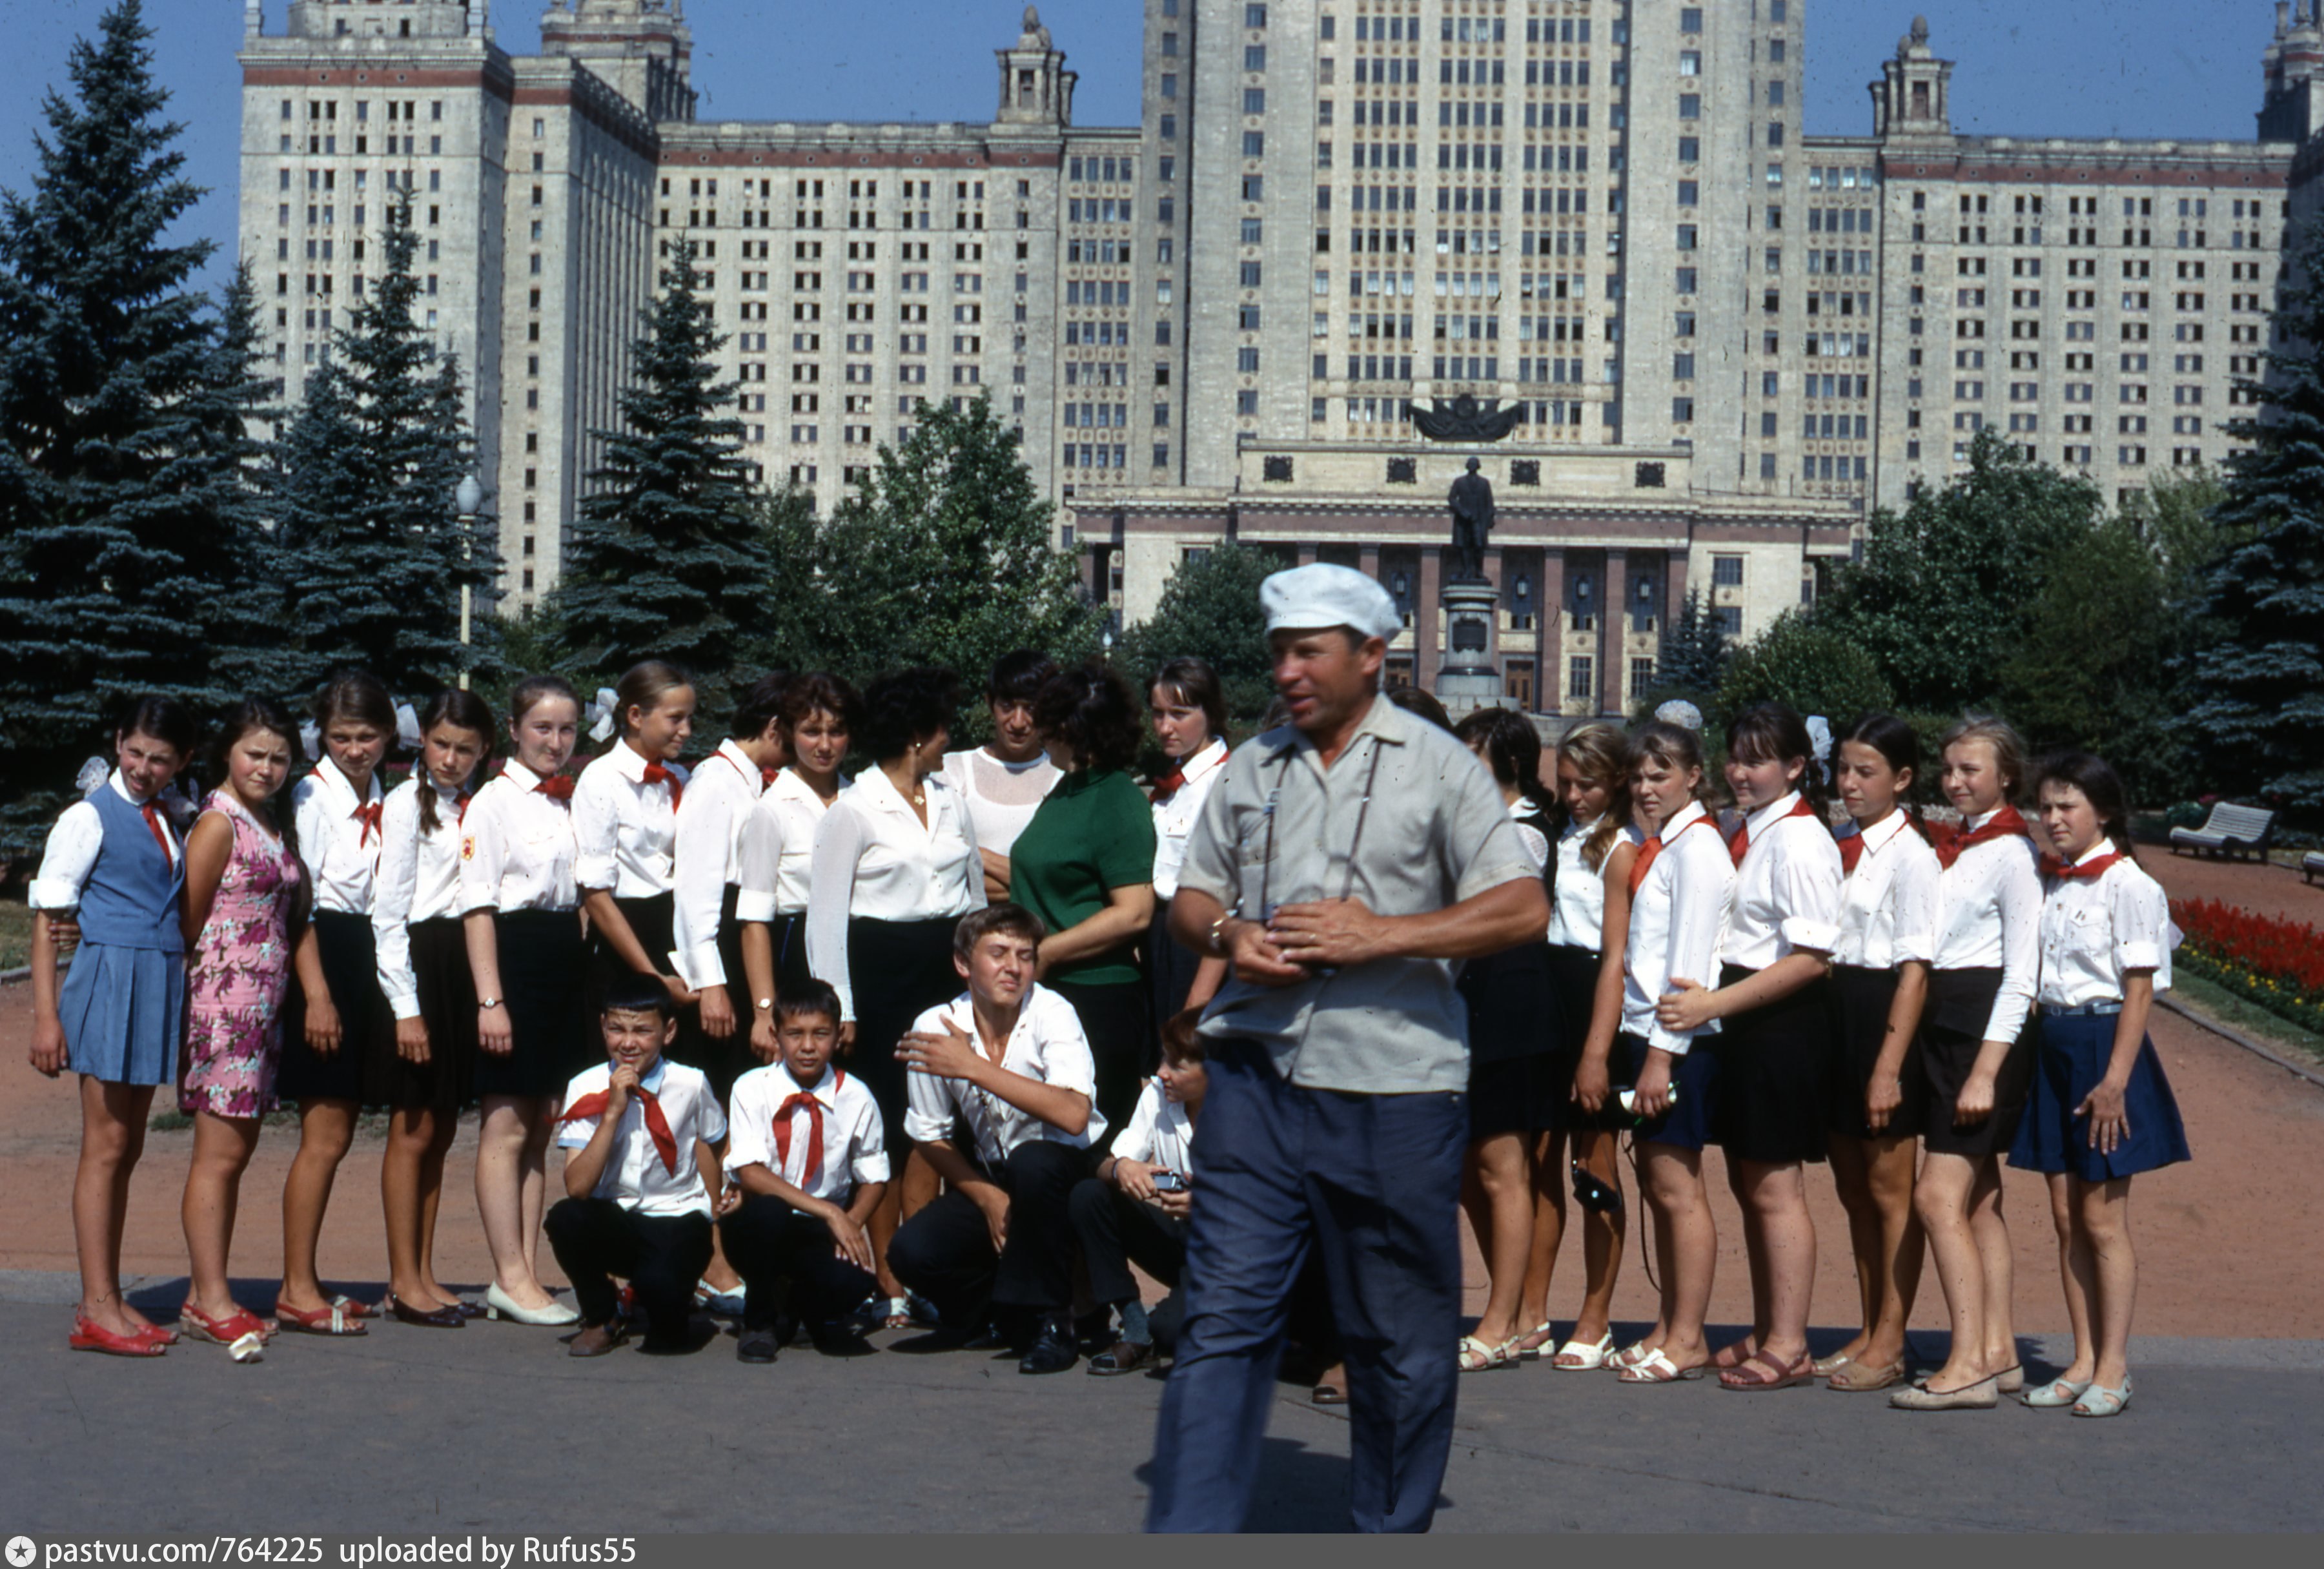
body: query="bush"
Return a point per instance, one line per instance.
(1814, 671)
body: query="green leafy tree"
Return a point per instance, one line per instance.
(1937, 599)
(668, 557)
(1209, 609)
(1801, 662)
(2257, 719)
(375, 549)
(126, 540)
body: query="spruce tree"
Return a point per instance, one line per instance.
(2257, 722)
(375, 552)
(1692, 660)
(668, 559)
(118, 547)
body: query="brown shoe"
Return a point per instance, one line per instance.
(596, 1339)
(1126, 1357)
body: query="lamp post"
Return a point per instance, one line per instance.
(470, 499)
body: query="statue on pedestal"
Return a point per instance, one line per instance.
(1472, 501)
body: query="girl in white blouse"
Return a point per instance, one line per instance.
(338, 1038)
(707, 863)
(1974, 1066)
(1679, 887)
(1879, 981)
(1189, 713)
(2100, 1110)
(521, 913)
(819, 714)
(1774, 1044)
(1003, 782)
(423, 971)
(895, 868)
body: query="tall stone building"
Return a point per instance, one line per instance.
(1727, 339)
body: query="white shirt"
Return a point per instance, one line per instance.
(1175, 818)
(419, 879)
(1577, 915)
(706, 857)
(1158, 1132)
(1017, 792)
(778, 856)
(1047, 1046)
(1888, 904)
(1787, 893)
(73, 846)
(626, 828)
(1674, 921)
(1989, 917)
(516, 847)
(874, 859)
(634, 1177)
(2095, 928)
(341, 852)
(853, 1151)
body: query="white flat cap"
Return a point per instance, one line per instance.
(1319, 595)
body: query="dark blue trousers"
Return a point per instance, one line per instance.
(1372, 1183)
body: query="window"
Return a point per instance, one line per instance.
(1727, 571)
(1580, 681)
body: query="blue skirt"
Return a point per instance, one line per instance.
(124, 1013)
(2075, 1050)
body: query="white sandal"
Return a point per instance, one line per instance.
(1588, 1358)
(1533, 1354)
(1629, 1357)
(2097, 1400)
(2055, 1393)
(1654, 1367)
(1488, 1357)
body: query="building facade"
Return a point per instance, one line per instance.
(1728, 339)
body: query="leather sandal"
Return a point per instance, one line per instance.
(1855, 1377)
(2057, 1392)
(1584, 1359)
(1540, 1347)
(87, 1334)
(225, 1329)
(2097, 1400)
(331, 1321)
(1758, 1373)
(1477, 1357)
(1655, 1367)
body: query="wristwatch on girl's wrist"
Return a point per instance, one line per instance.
(487, 1003)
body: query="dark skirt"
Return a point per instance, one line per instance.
(447, 1007)
(1516, 1094)
(1170, 966)
(897, 970)
(1573, 990)
(1687, 1122)
(1775, 1074)
(356, 1071)
(1952, 1034)
(790, 934)
(1860, 998)
(722, 1061)
(1513, 1042)
(1114, 1017)
(544, 978)
(2075, 1050)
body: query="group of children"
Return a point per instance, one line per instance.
(798, 978)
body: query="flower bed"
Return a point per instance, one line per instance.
(2277, 965)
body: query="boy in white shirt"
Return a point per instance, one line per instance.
(808, 1157)
(1135, 1207)
(639, 1169)
(1008, 1058)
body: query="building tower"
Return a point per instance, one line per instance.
(1036, 87)
(642, 49)
(1911, 97)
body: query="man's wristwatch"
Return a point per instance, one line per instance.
(488, 1003)
(1219, 947)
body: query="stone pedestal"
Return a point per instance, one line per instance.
(1468, 678)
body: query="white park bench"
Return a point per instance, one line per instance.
(2231, 830)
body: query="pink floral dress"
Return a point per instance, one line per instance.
(239, 969)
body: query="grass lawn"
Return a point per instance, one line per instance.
(15, 931)
(2248, 1018)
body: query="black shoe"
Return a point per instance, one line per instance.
(989, 1337)
(1052, 1349)
(836, 1341)
(757, 1345)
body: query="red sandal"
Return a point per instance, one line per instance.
(225, 1329)
(1759, 1373)
(90, 1337)
(334, 1321)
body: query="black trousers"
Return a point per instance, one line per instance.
(661, 1256)
(945, 1254)
(769, 1243)
(1115, 1231)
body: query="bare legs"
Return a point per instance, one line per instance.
(1959, 1201)
(327, 1128)
(2101, 1273)
(1686, 1250)
(1781, 1238)
(411, 1184)
(512, 1188)
(1875, 1178)
(222, 1149)
(1498, 1195)
(1602, 1235)
(1548, 1191)
(112, 1138)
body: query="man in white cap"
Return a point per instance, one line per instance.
(1343, 863)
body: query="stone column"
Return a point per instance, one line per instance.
(1306, 553)
(1613, 624)
(1493, 574)
(1427, 637)
(1549, 657)
(1367, 562)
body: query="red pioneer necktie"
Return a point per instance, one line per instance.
(1950, 842)
(556, 788)
(1740, 845)
(161, 834)
(1647, 856)
(657, 774)
(2052, 866)
(665, 1142)
(368, 815)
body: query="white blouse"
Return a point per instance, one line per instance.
(1787, 893)
(1175, 818)
(1577, 917)
(1989, 917)
(627, 829)
(2096, 928)
(1000, 796)
(707, 858)
(1158, 1132)
(1048, 1045)
(338, 840)
(854, 1150)
(1888, 904)
(1674, 922)
(419, 879)
(73, 845)
(516, 847)
(778, 858)
(875, 859)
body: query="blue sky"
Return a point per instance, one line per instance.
(2132, 68)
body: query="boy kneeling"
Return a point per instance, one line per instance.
(1008, 1059)
(638, 1176)
(1135, 1207)
(807, 1153)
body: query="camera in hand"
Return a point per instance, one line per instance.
(1169, 1181)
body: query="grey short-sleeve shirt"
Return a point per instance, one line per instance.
(1436, 833)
